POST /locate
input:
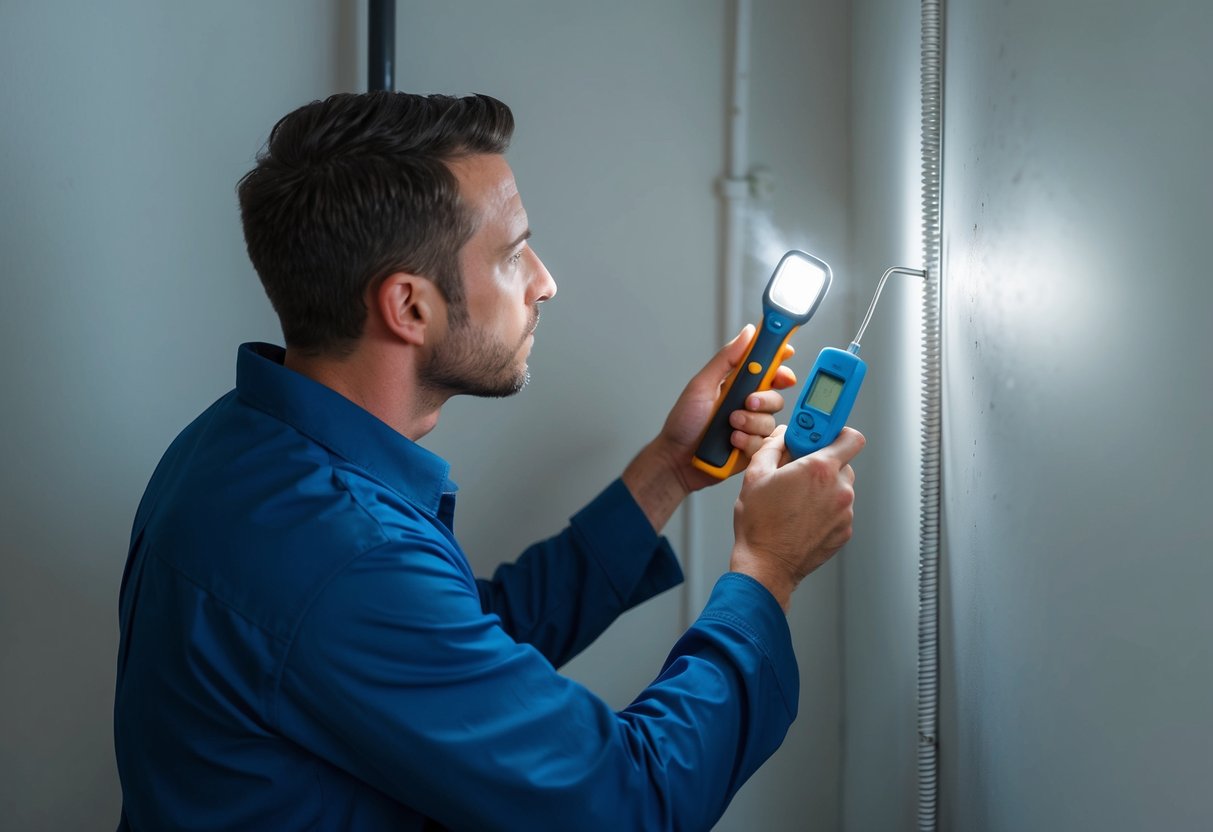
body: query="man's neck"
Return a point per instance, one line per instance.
(377, 384)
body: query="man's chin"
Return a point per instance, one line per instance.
(518, 384)
(502, 390)
(506, 380)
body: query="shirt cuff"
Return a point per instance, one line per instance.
(636, 561)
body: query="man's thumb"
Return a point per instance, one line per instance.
(729, 356)
(766, 458)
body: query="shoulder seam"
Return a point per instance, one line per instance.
(321, 587)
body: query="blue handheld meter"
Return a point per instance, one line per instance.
(795, 290)
(829, 394)
(825, 404)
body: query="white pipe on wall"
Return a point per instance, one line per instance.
(734, 189)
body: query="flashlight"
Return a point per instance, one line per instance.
(795, 290)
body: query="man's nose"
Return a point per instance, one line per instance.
(545, 286)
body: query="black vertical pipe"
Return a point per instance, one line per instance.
(381, 51)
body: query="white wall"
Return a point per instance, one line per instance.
(125, 291)
(1077, 659)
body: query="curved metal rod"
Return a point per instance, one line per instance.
(872, 307)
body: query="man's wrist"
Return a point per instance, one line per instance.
(656, 483)
(776, 580)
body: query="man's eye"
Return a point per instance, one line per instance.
(515, 257)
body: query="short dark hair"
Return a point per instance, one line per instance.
(353, 188)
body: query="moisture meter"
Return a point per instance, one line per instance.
(795, 290)
(829, 393)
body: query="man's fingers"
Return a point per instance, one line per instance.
(785, 377)
(755, 424)
(845, 448)
(766, 458)
(731, 354)
(747, 443)
(768, 401)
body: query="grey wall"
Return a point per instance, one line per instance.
(615, 160)
(800, 79)
(125, 291)
(1079, 194)
(621, 138)
(1077, 667)
(880, 566)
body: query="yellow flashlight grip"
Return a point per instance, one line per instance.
(755, 373)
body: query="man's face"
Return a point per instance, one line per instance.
(484, 351)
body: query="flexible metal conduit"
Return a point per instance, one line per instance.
(928, 566)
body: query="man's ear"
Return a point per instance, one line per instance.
(410, 307)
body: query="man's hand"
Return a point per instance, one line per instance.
(689, 418)
(792, 516)
(662, 474)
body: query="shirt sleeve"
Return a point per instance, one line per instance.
(562, 593)
(398, 676)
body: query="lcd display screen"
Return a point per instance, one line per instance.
(824, 393)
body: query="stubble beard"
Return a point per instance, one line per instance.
(469, 364)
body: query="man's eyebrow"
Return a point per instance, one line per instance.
(525, 235)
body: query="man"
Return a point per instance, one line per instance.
(303, 645)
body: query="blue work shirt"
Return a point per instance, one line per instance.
(304, 646)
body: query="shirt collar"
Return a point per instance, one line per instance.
(345, 429)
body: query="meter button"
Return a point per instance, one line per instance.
(814, 437)
(754, 367)
(805, 421)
